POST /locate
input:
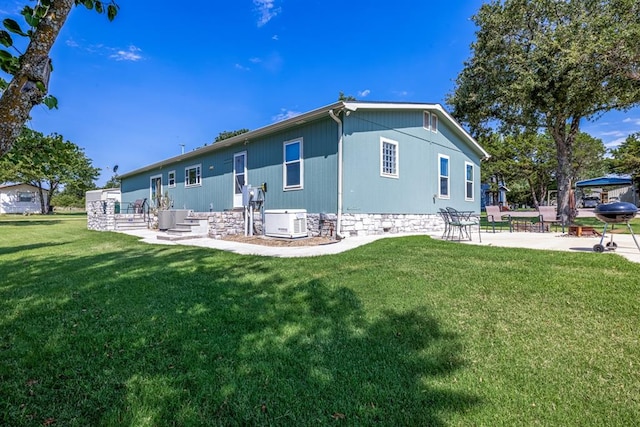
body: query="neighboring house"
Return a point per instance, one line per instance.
(491, 197)
(358, 162)
(20, 198)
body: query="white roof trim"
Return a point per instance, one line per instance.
(353, 106)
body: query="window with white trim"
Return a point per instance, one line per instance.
(430, 121)
(192, 176)
(293, 167)
(26, 197)
(468, 181)
(443, 176)
(388, 158)
(171, 179)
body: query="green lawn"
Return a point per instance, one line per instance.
(98, 329)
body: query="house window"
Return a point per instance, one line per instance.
(26, 197)
(192, 176)
(468, 180)
(293, 166)
(443, 176)
(171, 179)
(388, 158)
(430, 121)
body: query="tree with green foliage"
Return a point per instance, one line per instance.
(524, 158)
(229, 134)
(70, 197)
(588, 158)
(114, 181)
(343, 97)
(531, 158)
(549, 65)
(30, 69)
(626, 158)
(48, 162)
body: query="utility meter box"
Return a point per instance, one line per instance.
(290, 223)
(248, 193)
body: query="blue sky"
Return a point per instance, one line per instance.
(167, 73)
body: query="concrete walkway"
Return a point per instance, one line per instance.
(542, 241)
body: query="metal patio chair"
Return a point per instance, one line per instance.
(495, 217)
(447, 227)
(549, 217)
(464, 221)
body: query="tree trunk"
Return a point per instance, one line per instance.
(22, 93)
(534, 196)
(542, 193)
(41, 195)
(564, 139)
(53, 189)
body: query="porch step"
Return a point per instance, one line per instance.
(174, 237)
(130, 223)
(194, 225)
(191, 228)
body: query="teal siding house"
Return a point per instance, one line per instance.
(366, 167)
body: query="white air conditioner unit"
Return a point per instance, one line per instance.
(289, 223)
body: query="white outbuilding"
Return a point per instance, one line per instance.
(20, 199)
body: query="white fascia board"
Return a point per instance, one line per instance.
(353, 106)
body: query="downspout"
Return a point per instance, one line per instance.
(339, 220)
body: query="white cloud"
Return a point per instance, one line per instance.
(275, 37)
(132, 53)
(615, 133)
(364, 93)
(266, 10)
(242, 67)
(127, 55)
(400, 93)
(12, 9)
(615, 143)
(72, 43)
(255, 60)
(285, 114)
(632, 121)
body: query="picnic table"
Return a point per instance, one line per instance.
(539, 220)
(523, 220)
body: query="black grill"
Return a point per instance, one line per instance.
(614, 213)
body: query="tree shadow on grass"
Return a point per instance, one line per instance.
(16, 249)
(20, 223)
(176, 336)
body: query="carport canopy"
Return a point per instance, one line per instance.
(605, 181)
